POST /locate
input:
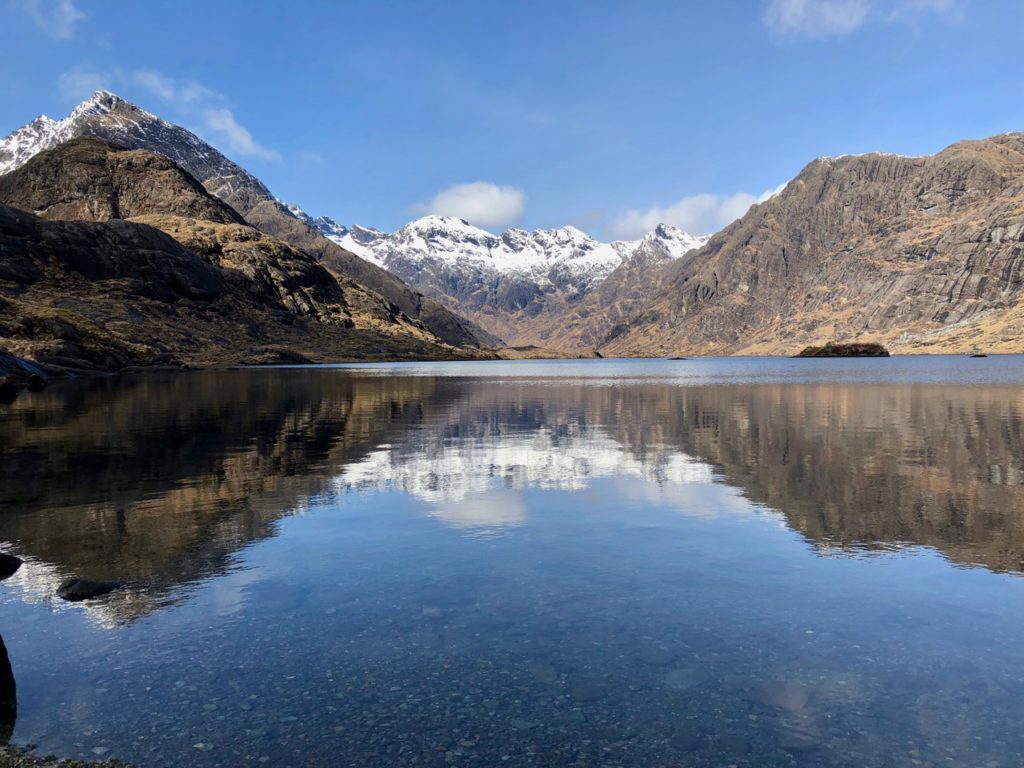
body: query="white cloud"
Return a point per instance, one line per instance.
(237, 139)
(193, 101)
(78, 83)
(837, 18)
(816, 18)
(57, 18)
(480, 203)
(698, 214)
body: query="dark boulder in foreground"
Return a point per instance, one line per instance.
(8, 565)
(74, 590)
(8, 697)
(845, 350)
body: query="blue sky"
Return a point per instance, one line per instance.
(610, 116)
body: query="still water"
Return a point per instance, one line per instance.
(598, 563)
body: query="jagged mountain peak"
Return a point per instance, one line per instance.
(491, 278)
(101, 102)
(108, 117)
(672, 242)
(451, 226)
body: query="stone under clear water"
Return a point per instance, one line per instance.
(597, 563)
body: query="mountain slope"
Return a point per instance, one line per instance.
(599, 315)
(919, 253)
(105, 291)
(123, 124)
(519, 285)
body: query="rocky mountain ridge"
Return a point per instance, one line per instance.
(511, 283)
(916, 253)
(131, 262)
(123, 124)
(921, 254)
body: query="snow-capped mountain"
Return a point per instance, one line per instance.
(499, 281)
(665, 243)
(491, 277)
(355, 239)
(120, 122)
(566, 259)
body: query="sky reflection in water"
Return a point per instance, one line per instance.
(624, 563)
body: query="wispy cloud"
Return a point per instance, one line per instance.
(481, 203)
(235, 137)
(57, 18)
(698, 214)
(77, 83)
(194, 102)
(817, 19)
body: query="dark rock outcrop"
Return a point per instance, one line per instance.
(845, 350)
(76, 590)
(9, 565)
(88, 179)
(8, 697)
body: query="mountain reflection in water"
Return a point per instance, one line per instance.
(607, 563)
(159, 480)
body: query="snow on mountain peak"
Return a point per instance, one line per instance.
(438, 249)
(446, 227)
(44, 133)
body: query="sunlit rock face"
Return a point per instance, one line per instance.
(920, 254)
(159, 482)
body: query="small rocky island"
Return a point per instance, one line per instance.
(845, 350)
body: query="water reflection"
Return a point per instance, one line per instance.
(346, 568)
(159, 481)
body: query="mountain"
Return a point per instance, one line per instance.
(123, 124)
(922, 254)
(121, 258)
(513, 284)
(598, 316)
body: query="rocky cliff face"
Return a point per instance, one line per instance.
(105, 291)
(114, 120)
(920, 254)
(89, 180)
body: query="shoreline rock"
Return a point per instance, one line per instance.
(18, 375)
(11, 757)
(855, 349)
(75, 590)
(9, 565)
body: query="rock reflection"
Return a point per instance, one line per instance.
(158, 481)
